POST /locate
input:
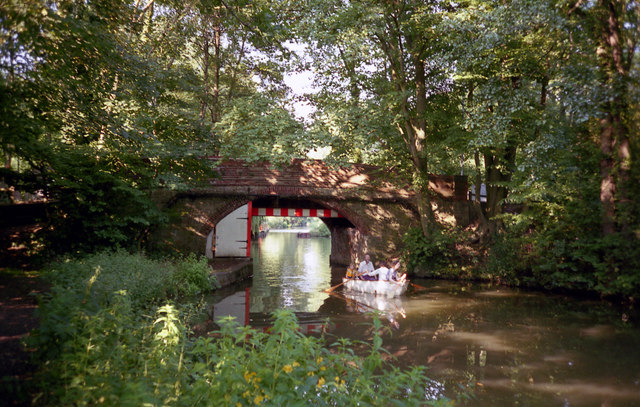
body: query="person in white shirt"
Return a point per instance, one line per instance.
(365, 266)
(382, 273)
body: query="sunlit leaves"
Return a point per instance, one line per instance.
(257, 129)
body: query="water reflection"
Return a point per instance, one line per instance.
(290, 273)
(390, 309)
(508, 347)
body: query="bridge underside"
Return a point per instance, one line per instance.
(340, 227)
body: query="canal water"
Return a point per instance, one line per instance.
(504, 346)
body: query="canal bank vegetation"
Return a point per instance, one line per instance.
(104, 102)
(564, 251)
(112, 333)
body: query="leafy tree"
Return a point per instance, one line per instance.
(388, 63)
(507, 55)
(557, 103)
(257, 129)
(525, 90)
(67, 65)
(103, 101)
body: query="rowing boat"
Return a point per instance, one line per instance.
(387, 288)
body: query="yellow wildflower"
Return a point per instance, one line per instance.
(320, 382)
(311, 374)
(319, 360)
(238, 404)
(248, 376)
(322, 368)
(287, 368)
(296, 364)
(258, 400)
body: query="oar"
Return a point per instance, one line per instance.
(419, 287)
(328, 290)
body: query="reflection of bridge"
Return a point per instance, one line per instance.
(238, 306)
(363, 211)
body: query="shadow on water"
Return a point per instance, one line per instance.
(511, 347)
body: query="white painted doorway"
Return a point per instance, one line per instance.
(233, 234)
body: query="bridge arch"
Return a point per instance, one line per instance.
(342, 228)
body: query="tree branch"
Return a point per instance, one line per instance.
(576, 7)
(144, 9)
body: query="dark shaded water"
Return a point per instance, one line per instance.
(512, 347)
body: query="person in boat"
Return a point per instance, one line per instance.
(381, 273)
(365, 266)
(351, 271)
(393, 272)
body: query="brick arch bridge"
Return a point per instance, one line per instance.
(370, 214)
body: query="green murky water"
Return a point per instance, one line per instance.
(512, 347)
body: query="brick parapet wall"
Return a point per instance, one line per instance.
(315, 177)
(299, 192)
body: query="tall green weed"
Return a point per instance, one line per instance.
(192, 276)
(117, 356)
(100, 275)
(85, 286)
(145, 280)
(246, 367)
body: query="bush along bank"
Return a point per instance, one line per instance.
(109, 335)
(553, 257)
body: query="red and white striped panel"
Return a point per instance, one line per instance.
(312, 213)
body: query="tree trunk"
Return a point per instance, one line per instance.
(205, 73)
(483, 223)
(607, 181)
(211, 37)
(419, 132)
(498, 164)
(399, 47)
(614, 135)
(217, 37)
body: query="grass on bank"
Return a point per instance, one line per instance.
(110, 334)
